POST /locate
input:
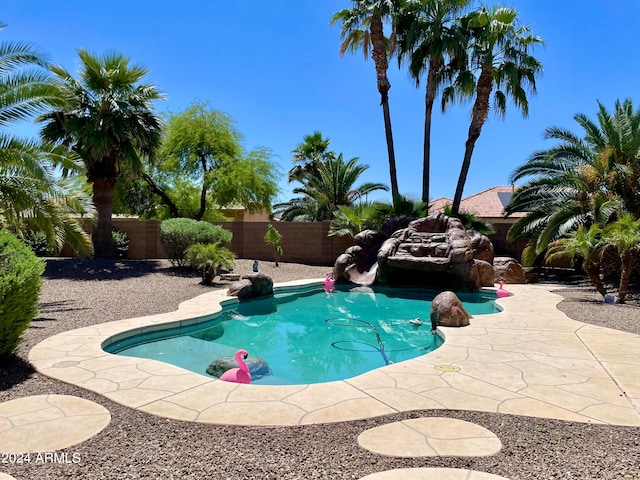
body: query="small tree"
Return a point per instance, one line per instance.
(273, 237)
(586, 244)
(625, 236)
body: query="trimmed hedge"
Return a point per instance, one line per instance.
(178, 234)
(20, 282)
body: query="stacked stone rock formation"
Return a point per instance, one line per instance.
(435, 251)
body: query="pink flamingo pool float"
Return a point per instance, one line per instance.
(328, 283)
(501, 292)
(241, 374)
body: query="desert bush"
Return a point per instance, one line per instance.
(177, 234)
(37, 242)
(209, 259)
(20, 283)
(120, 242)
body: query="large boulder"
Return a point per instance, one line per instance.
(258, 367)
(252, 285)
(481, 246)
(508, 270)
(447, 311)
(485, 272)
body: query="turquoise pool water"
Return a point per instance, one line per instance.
(307, 337)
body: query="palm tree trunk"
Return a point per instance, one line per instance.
(593, 273)
(379, 55)
(103, 200)
(627, 260)
(479, 115)
(429, 98)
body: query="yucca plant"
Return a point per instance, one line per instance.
(209, 258)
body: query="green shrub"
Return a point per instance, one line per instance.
(20, 283)
(209, 259)
(177, 234)
(37, 242)
(120, 242)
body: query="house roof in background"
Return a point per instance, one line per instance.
(489, 203)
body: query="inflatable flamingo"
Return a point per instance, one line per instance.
(238, 375)
(501, 292)
(328, 283)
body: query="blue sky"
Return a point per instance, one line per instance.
(275, 68)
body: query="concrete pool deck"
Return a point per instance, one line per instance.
(529, 359)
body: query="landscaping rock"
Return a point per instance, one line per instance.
(485, 273)
(253, 285)
(447, 311)
(481, 246)
(433, 251)
(258, 367)
(508, 270)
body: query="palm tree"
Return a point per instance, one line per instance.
(582, 180)
(624, 234)
(586, 244)
(428, 37)
(108, 120)
(330, 186)
(362, 27)
(499, 51)
(32, 197)
(308, 154)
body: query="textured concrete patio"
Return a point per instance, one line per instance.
(529, 359)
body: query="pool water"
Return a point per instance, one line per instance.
(307, 337)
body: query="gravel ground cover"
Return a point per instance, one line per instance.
(136, 445)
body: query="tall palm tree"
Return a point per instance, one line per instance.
(325, 190)
(499, 53)
(428, 38)
(308, 154)
(32, 197)
(582, 180)
(362, 28)
(108, 120)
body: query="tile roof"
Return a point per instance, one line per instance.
(489, 203)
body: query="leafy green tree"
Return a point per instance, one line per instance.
(108, 120)
(582, 180)
(586, 244)
(499, 53)
(624, 234)
(32, 197)
(330, 186)
(428, 39)
(362, 28)
(273, 237)
(202, 160)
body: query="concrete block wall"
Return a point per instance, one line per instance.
(301, 242)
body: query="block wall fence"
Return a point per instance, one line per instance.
(302, 242)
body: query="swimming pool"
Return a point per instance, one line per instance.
(306, 335)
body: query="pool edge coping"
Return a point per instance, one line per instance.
(76, 357)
